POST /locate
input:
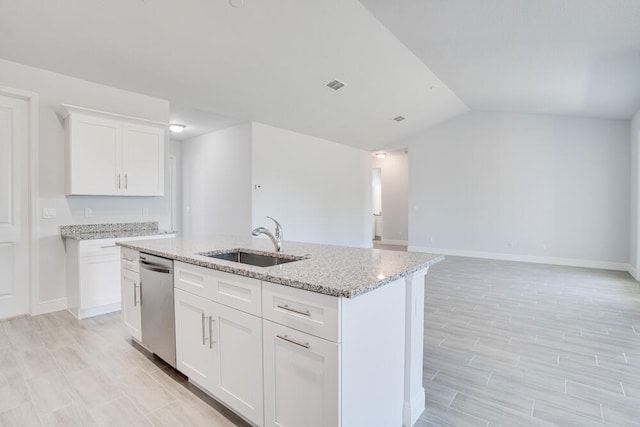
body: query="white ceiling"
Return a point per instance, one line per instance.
(270, 60)
(573, 57)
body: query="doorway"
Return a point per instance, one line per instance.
(390, 199)
(15, 216)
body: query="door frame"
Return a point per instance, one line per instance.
(31, 216)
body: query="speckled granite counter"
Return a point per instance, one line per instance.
(111, 231)
(333, 270)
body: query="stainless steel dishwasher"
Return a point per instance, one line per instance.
(156, 305)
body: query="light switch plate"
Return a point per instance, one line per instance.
(88, 212)
(48, 213)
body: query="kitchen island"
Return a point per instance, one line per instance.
(332, 338)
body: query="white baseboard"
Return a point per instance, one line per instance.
(571, 262)
(50, 306)
(393, 242)
(634, 273)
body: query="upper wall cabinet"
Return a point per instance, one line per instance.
(113, 155)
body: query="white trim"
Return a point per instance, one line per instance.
(33, 291)
(393, 242)
(571, 262)
(633, 272)
(67, 109)
(49, 306)
(173, 195)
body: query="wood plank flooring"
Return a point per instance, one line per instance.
(513, 344)
(506, 343)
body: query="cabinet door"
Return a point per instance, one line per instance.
(131, 303)
(93, 155)
(300, 378)
(99, 280)
(195, 356)
(142, 160)
(237, 338)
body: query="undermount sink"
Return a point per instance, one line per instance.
(252, 258)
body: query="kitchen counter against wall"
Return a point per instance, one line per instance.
(111, 231)
(327, 269)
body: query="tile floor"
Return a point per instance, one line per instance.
(519, 344)
(506, 343)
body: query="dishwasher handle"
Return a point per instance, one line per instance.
(154, 267)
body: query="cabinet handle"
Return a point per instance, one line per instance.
(292, 341)
(125, 182)
(204, 338)
(135, 300)
(211, 341)
(295, 310)
(118, 181)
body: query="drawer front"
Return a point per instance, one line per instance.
(98, 247)
(129, 260)
(306, 311)
(242, 293)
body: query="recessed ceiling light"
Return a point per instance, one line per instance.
(399, 118)
(236, 3)
(176, 127)
(381, 155)
(335, 85)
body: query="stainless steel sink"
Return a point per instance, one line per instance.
(252, 258)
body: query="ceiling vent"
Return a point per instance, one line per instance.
(399, 118)
(335, 85)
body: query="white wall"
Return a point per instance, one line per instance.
(530, 187)
(395, 197)
(634, 229)
(53, 90)
(216, 183)
(320, 191)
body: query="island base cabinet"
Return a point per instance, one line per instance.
(300, 378)
(220, 349)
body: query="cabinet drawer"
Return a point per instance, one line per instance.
(129, 260)
(242, 293)
(98, 247)
(306, 311)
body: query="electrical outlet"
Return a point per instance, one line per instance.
(48, 213)
(88, 212)
(145, 211)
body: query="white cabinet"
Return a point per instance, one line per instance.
(300, 378)
(113, 155)
(130, 280)
(296, 358)
(93, 277)
(219, 347)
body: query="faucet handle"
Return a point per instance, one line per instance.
(278, 228)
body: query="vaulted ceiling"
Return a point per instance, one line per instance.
(270, 60)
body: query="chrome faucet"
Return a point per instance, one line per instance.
(277, 239)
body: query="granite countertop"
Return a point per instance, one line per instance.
(339, 271)
(111, 231)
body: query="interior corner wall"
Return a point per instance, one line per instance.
(634, 229)
(54, 90)
(320, 191)
(536, 188)
(395, 197)
(216, 183)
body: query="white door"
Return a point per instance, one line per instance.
(300, 378)
(237, 338)
(14, 264)
(142, 160)
(195, 356)
(131, 303)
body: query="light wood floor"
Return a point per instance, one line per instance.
(505, 344)
(513, 344)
